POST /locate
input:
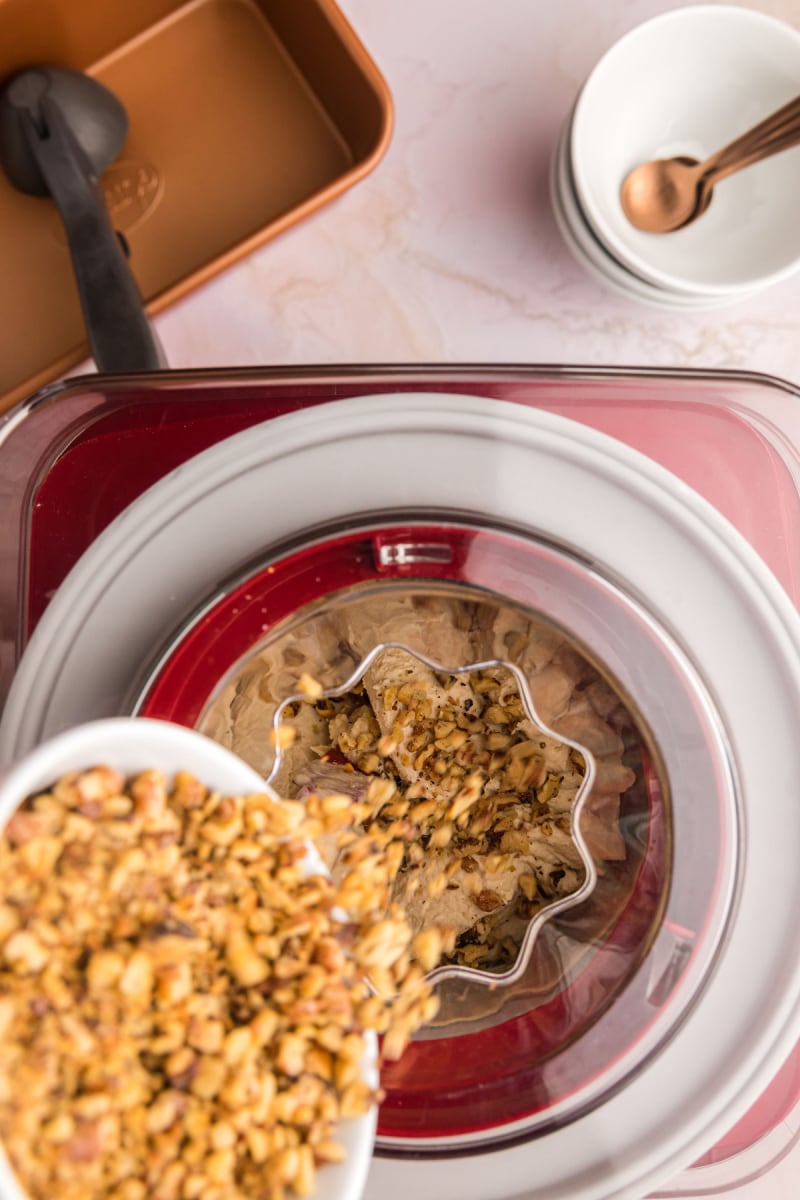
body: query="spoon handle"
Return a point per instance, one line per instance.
(779, 134)
(765, 149)
(785, 121)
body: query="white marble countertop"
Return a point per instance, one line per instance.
(449, 252)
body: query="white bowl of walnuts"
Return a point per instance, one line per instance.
(181, 1014)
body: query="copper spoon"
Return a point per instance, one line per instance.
(668, 193)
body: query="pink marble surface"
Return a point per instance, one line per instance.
(449, 251)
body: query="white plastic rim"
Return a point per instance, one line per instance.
(658, 92)
(132, 744)
(641, 525)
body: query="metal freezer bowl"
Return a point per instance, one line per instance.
(245, 117)
(221, 676)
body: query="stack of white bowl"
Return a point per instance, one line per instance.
(685, 83)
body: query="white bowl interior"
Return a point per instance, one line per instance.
(131, 744)
(592, 254)
(661, 91)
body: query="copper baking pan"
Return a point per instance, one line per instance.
(245, 116)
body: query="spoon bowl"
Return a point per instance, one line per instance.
(663, 194)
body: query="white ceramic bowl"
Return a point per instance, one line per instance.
(131, 744)
(661, 91)
(592, 254)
